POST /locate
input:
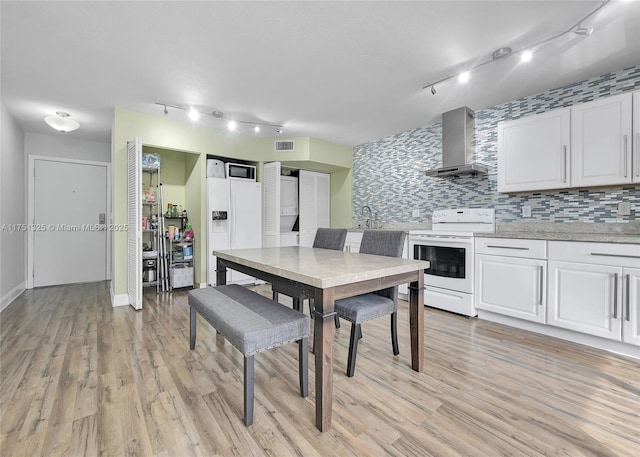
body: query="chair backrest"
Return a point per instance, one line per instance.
(384, 242)
(328, 238)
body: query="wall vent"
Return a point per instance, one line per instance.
(283, 145)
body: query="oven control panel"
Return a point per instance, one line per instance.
(464, 215)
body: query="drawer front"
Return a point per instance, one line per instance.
(619, 255)
(512, 247)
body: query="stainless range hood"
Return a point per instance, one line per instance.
(458, 149)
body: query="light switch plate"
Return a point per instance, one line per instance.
(415, 213)
(624, 208)
(526, 211)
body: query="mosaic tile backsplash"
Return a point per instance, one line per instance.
(389, 174)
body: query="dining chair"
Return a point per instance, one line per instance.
(326, 238)
(362, 308)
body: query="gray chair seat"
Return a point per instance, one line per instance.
(362, 308)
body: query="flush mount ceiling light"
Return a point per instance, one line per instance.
(525, 53)
(61, 122)
(232, 124)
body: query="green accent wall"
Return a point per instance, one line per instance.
(184, 147)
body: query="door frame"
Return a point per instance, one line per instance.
(31, 206)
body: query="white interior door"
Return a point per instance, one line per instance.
(70, 207)
(314, 204)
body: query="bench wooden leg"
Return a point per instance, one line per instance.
(248, 390)
(275, 296)
(192, 329)
(303, 366)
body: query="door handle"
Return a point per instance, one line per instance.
(564, 163)
(540, 276)
(625, 156)
(626, 256)
(637, 158)
(627, 279)
(519, 248)
(615, 295)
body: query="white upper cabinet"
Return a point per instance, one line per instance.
(590, 144)
(601, 137)
(533, 152)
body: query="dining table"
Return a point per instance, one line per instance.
(327, 275)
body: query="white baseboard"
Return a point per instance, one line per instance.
(12, 295)
(118, 300)
(581, 338)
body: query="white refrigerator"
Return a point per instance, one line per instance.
(234, 221)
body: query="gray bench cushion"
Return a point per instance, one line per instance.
(250, 322)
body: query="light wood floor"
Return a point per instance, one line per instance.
(79, 378)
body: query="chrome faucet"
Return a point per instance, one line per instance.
(370, 213)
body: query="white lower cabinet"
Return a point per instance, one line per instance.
(593, 289)
(585, 298)
(511, 277)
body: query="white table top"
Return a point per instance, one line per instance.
(320, 268)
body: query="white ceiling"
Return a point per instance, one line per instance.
(344, 71)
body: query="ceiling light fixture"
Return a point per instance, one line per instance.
(586, 31)
(526, 56)
(61, 122)
(232, 124)
(193, 114)
(526, 53)
(500, 53)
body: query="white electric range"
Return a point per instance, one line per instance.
(449, 247)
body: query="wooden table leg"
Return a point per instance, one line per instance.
(416, 322)
(324, 329)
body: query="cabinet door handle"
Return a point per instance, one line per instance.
(564, 163)
(520, 248)
(615, 295)
(637, 158)
(540, 279)
(604, 254)
(627, 292)
(625, 156)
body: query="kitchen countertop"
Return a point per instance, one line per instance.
(628, 233)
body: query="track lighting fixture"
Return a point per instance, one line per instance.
(525, 53)
(232, 124)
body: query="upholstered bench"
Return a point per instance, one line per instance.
(251, 323)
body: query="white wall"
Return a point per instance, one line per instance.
(12, 210)
(63, 145)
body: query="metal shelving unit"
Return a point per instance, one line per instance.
(150, 235)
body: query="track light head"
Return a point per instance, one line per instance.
(433, 90)
(585, 31)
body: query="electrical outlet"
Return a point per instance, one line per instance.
(415, 213)
(526, 211)
(624, 208)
